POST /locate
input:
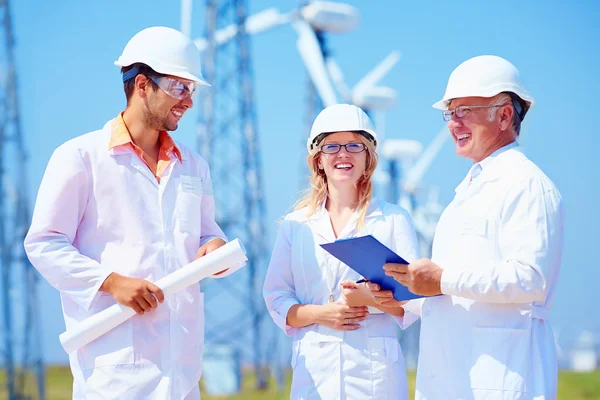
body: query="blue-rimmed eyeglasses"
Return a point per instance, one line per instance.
(333, 148)
(461, 111)
(174, 87)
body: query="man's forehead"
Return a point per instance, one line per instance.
(468, 101)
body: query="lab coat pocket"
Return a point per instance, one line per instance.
(313, 366)
(114, 347)
(384, 349)
(500, 359)
(475, 226)
(477, 240)
(189, 211)
(388, 373)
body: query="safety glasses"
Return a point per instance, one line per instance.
(462, 111)
(174, 87)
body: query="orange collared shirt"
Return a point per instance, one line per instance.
(120, 136)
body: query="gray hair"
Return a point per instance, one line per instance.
(504, 99)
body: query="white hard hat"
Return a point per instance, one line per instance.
(484, 76)
(341, 118)
(165, 50)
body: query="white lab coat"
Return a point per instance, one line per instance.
(330, 364)
(500, 243)
(101, 211)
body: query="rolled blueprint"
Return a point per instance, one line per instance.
(232, 255)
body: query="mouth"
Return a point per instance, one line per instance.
(463, 138)
(177, 113)
(344, 166)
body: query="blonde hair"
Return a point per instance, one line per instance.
(317, 193)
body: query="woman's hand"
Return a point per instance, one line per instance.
(341, 316)
(357, 294)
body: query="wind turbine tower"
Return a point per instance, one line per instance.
(228, 140)
(21, 337)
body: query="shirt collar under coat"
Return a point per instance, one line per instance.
(121, 142)
(490, 169)
(320, 223)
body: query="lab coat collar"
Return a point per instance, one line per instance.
(320, 222)
(491, 168)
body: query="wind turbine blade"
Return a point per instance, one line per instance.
(376, 74)
(337, 76)
(186, 17)
(265, 20)
(311, 54)
(256, 23)
(201, 44)
(420, 167)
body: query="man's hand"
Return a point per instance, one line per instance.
(138, 294)
(341, 316)
(383, 298)
(209, 246)
(421, 277)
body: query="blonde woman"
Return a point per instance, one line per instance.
(344, 344)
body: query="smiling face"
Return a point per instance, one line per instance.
(163, 112)
(343, 166)
(476, 134)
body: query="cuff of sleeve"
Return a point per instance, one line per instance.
(204, 240)
(414, 306)
(407, 320)
(91, 295)
(449, 282)
(282, 321)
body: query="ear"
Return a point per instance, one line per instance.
(142, 86)
(505, 117)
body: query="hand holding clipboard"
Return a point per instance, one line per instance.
(366, 255)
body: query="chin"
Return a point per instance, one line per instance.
(346, 179)
(170, 127)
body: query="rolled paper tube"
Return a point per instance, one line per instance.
(230, 256)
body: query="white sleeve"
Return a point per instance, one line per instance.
(530, 240)
(59, 208)
(209, 229)
(407, 247)
(278, 290)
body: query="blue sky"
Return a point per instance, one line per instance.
(69, 86)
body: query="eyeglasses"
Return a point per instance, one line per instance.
(174, 87)
(333, 148)
(461, 111)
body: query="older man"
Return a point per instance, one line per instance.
(496, 252)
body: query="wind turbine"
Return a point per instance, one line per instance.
(308, 21)
(325, 16)
(399, 156)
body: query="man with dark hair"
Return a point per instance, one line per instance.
(122, 207)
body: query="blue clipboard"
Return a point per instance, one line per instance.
(366, 255)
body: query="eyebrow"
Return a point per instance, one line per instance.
(353, 142)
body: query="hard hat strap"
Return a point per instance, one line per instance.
(518, 104)
(131, 73)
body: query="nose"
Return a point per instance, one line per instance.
(343, 151)
(454, 123)
(187, 102)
